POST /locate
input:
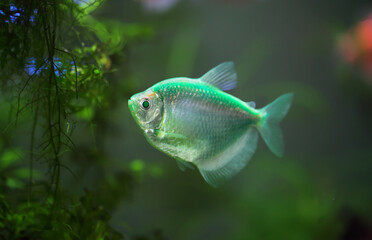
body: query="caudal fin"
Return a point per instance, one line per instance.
(269, 128)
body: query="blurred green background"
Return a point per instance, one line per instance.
(114, 185)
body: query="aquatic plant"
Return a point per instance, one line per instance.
(54, 61)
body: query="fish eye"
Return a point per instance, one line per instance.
(146, 104)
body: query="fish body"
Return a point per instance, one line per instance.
(198, 124)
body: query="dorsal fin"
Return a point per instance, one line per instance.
(222, 76)
(251, 104)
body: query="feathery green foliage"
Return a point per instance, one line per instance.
(54, 61)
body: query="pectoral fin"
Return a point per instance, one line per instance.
(183, 165)
(168, 136)
(175, 145)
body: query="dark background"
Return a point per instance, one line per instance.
(320, 189)
(323, 182)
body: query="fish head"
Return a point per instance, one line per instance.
(147, 109)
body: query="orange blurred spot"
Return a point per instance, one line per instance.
(348, 48)
(355, 46)
(364, 34)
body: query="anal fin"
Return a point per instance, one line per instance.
(228, 163)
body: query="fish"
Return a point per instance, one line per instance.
(196, 122)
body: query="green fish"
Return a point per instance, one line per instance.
(198, 124)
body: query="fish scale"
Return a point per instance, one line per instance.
(198, 124)
(217, 123)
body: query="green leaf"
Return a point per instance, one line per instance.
(89, 5)
(137, 165)
(14, 183)
(86, 114)
(9, 157)
(24, 173)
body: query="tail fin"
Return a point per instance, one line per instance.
(269, 128)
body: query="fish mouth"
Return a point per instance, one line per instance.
(133, 108)
(131, 105)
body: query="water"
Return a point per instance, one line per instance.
(113, 179)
